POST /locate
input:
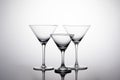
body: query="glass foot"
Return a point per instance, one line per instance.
(43, 69)
(79, 68)
(63, 70)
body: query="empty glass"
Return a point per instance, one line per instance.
(79, 32)
(42, 32)
(62, 41)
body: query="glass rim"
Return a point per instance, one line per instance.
(78, 25)
(42, 25)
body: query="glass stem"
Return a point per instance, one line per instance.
(43, 56)
(76, 55)
(62, 58)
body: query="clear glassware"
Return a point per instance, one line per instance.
(42, 32)
(79, 32)
(62, 41)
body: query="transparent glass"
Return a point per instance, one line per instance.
(62, 41)
(42, 32)
(79, 32)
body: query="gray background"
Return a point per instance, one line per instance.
(20, 50)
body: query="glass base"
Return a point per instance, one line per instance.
(79, 68)
(43, 69)
(63, 70)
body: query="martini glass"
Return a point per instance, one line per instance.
(42, 32)
(79, 32)
(62, 41)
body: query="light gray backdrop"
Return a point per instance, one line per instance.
(20, 50)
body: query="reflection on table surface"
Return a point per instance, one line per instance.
(73, 75)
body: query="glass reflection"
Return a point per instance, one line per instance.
(76, 74)
(43, 75)
(62, 74)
